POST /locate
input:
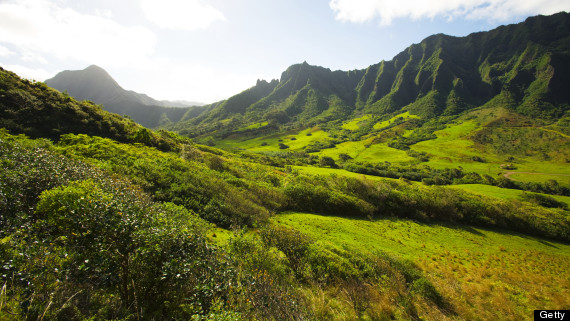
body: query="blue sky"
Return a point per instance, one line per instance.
(206, 51)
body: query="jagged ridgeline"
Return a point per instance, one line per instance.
(524, 67)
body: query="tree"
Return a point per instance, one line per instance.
(344, 157)
(327, 161)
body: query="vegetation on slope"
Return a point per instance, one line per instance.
(104, 219)
(36, 110)
(483, 274)
(109, 231)
(521, 67)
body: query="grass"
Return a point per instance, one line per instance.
(219, 235)
(296, 140)
(386, 123)
(354, 124)
(540, 177)
(453, 147)
(334, 171)
(485, 274)
(255, 126)
(362, 151)
(503, 193)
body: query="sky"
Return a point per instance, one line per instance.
(209, 50)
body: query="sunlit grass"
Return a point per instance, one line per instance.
(365, 151)
(335, 171)
(355, 123)
(451, 142)
(504, 193)
(386, 123)
(255, 126)
(295, 140)
(542, 177)
(487, 275)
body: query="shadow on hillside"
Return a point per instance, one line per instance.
(548, 244)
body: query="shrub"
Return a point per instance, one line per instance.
(327, 161)
(543, 200)
(116, 240)
(344, 157)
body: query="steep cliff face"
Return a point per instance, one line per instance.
(524, 66)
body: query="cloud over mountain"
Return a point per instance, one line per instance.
(359, 11)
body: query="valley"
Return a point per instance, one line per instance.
(434, 186)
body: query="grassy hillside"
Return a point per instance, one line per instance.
(488, 108)
(34, 109)
(484, 274)
(413, 190)
(91, 226)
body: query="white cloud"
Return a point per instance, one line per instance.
(5, 52)
(360, 11)
(38, 28)
(29, 73)
(181, 14)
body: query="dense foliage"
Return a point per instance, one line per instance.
(91, 229)
(84, 243)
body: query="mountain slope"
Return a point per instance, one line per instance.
(34, 109)
(95, 84)
(524, 67)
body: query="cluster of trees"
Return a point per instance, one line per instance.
(448, 176)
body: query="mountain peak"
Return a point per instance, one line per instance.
(95, 68)
(92, 83)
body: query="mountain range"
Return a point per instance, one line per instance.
(524, 67)
(95, 84)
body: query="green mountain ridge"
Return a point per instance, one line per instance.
(523, 67)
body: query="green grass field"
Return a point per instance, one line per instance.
(503, 193)
(335, 171)
(454, 147)
(386, 123)
(296, 140)
(485, 274)
(355, 123)
(362, 151)
(254, 126)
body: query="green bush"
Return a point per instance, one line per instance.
(543, 200)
